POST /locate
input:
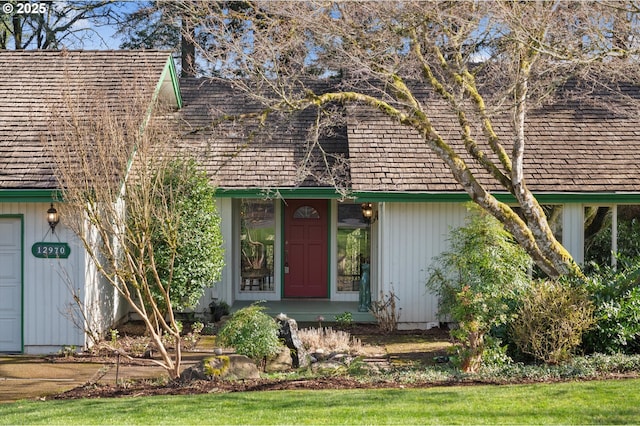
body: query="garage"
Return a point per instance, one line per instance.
(10, 284)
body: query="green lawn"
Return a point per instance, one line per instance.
(596, 402)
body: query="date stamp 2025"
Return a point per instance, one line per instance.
(25, 8)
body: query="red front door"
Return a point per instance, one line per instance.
(305, 247)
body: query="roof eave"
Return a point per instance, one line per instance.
(428, 196)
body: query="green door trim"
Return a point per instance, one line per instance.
(329, 244)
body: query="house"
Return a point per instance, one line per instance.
(292, 214)
(307, 213)
(40, 266)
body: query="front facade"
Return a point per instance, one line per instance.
(267, 261)
(302, 245)
(309, 219)
(311, 249)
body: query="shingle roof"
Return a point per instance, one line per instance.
(571, 146)
(247, 157)
(33, 82)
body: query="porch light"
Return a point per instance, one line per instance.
(53, 218)
(367, 212)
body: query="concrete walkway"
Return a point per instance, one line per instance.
(29, 377)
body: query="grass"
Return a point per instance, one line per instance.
(595, 402)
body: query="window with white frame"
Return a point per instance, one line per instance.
(353, 246)
(257, 237)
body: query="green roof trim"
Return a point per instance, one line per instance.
(432, 197)
(175, 81)
(543, 198)
(29, 195)
(328, 193)
(49, 195)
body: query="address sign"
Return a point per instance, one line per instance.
(51, 250)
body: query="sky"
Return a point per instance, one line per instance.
(104, 37)
(97, 38)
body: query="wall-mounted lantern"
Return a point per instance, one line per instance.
(53, 218)
(367, 212)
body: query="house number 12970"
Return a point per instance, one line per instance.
(51, 250)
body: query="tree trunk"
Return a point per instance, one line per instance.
(188, 50)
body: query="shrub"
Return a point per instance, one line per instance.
(477, 281)
(616, 296)
(385, 313)
(344, 319)
(329, 340)
(251, 332)
(187, 252)
(551, 320)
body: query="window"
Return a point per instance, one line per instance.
(628, 231)
(599, 239)
(354, 245)
(257, 236)
(597, 235)
(306, 212)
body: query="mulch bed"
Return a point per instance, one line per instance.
(147, 387)
(204, 386)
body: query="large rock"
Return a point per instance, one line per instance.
(282, 361)
(226, 367)
(289, 334)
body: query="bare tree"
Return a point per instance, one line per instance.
(53, 25)
(112, 157)
(485, 62)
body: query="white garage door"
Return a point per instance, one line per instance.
(10, 284)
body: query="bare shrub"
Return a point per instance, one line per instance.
(550, 323)
(329, 340)
(131, 213)
(132, 346)
(385, 313)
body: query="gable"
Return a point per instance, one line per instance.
(34, 82)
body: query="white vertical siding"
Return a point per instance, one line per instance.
(46, 296)
(222, 290)
(410, 236)
(103, 305)
(573, 231)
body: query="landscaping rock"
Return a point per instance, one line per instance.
(281, 362)
(226, 367)
(328, 367)
(289, 334)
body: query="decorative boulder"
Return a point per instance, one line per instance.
(226, 367)
(282, 361)
(289, 334)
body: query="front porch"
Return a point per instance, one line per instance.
(308, 310)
